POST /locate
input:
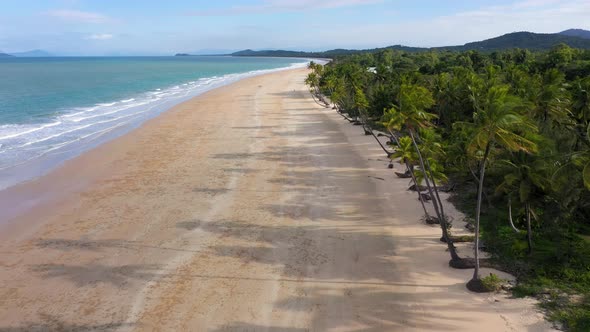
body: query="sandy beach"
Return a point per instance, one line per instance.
(249, 208)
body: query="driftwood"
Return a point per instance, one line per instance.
(405, 175)
(425, 197)
(446, 189)
(413, 188)
(432, 220)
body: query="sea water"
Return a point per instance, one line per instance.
(52, 109)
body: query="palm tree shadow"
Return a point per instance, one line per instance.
(99, 245)
(52, 323)
(247, 327)
(93, 274)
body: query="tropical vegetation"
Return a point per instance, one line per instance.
(508, 133)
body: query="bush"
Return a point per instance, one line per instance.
(493, 283)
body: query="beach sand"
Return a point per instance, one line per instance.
(249, 208)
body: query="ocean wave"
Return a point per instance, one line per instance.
(76, 127)
(25, 131)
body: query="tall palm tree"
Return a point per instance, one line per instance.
(526, 179)
(497, 123)
(550, 98)
(432, 150)
(412, 114)
(405, 153)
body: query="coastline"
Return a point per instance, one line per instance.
(14, 199)
(132, 110)
(266, 212)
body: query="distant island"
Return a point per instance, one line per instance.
(27, 54)
(576, 38)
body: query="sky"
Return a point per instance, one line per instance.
(155, 27)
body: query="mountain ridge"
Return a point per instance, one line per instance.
(576, 33)
(520, 39)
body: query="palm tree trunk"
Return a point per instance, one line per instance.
(394, 137)
(434, 202)
(426, 215)
(529, 233)
(516, 230)
(443, 222)
(380, 144)
(435, 188)
(478, 211)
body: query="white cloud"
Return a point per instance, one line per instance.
(100, 36)
(274, 6)
(77, 16)
(542, 16)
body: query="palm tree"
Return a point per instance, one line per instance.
(526, 179)
(405, 153)
(498, 123)
(581, 100)
(412, 113)
(551, 99)
(432, 150)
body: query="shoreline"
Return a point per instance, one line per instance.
(40, 165)
(13, 195)
(266, 212)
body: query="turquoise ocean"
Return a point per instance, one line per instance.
(52, 109)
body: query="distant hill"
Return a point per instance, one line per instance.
(576, 33)
(525, 40)
(528, 40)
(277, 53)
(326, 54)
(576, 38)
(4, 55)
(32, 54)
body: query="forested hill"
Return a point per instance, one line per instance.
(576, 33)
(325, 54)
(523, 40)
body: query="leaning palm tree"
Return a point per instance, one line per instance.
(497, 123)
(406, 154)
(411, 113)
(432, 148)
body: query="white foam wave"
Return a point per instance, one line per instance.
(74, 129)
(28, 131)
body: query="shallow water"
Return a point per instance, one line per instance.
(52, 109)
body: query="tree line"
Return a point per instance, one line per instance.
(508, 133)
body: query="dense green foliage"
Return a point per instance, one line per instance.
(520, 117)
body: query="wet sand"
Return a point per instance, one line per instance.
(249, 208)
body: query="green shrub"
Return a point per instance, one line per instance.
(493, 282)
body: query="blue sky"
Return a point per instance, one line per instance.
(142, 27)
